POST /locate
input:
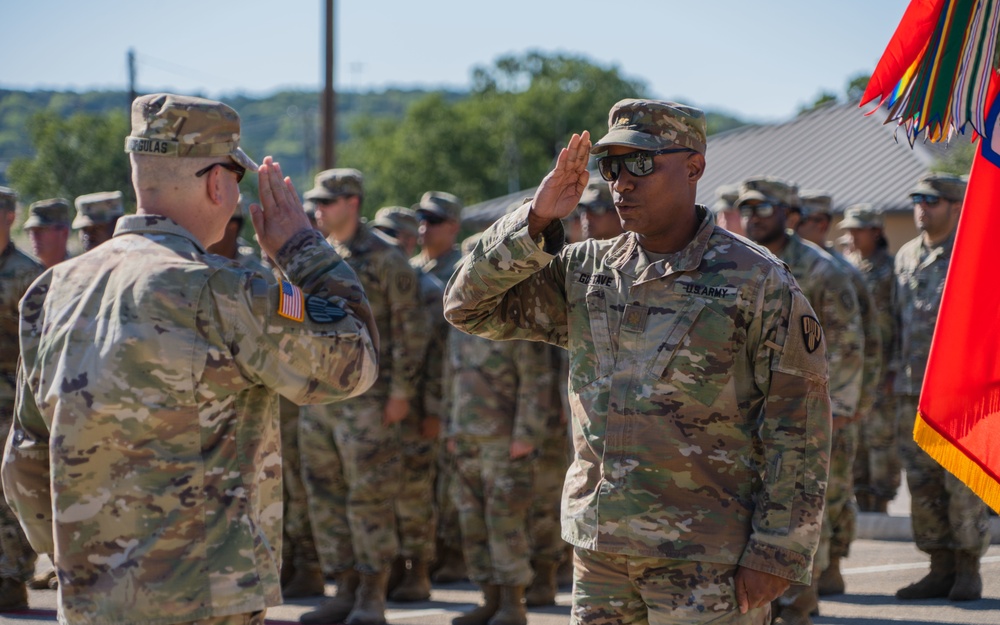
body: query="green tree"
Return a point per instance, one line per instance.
(73, 156)
(502, 138)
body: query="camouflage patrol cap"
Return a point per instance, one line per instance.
(812, 202)
(164, 124)
(44, 213)
(727, 195)
(398, 218)
(951, 188)
(654, 125)
(861, 216)
(597, 198)
(331, 184)
(94, 209)
(441, 204)
(8, 199)
(768, 189)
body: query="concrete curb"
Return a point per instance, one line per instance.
(875, 526)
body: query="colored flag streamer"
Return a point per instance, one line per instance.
(939, 74)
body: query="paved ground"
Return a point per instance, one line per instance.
(873, 573)
(882, 561)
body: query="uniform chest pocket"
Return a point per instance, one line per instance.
(696, 357)
(594, 355)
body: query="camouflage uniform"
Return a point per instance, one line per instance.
(168, 361)
(17, 272)
(945, 513)
(415, 503)
(718, 337)
(102, 210)
(449, 532)
(877, 467)
(352, 461)
(134, 528)
(500, 392)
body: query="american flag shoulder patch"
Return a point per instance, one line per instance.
(290, 304)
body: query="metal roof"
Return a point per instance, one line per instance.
(835, 148)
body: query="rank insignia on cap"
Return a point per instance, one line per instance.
(812, 332)
(322, 311)
(290, 306)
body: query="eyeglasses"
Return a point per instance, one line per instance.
(764, 210)
(239, 170)
(638, 163)
(923, 198)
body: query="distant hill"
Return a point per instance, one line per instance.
(284, 124)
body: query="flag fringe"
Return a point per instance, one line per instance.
(954, 460)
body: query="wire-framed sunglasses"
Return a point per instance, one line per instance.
(638, 163)
(239, 170)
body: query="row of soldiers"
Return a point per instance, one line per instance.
(878, 315)
(362, 499)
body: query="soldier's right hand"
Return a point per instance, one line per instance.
(282, 215)
(560, 190)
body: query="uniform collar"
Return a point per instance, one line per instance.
(626, 254)
(154, 224)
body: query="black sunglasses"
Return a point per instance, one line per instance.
(923, 198)
(763, 209)
(239, 170)
(638, 163)
(431, 218)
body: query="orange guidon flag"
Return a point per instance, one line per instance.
(958, 422)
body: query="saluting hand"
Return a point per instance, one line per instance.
(282, 215)
(560, 190)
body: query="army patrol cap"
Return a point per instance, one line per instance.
(727, 195)
(951, 188)
(44, 213)
(768, 189)
(597, 198)
(164, 124)
(398, 218)
(440, 204)
(654, 125)
(861, 216)
(335, 183)
(8, 199)
(813, 202)
(94, 209)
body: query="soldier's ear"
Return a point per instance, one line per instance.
(695, 166)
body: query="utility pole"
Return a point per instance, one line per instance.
(329, 97)
(132, 95)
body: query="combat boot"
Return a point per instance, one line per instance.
(44, 581)
(865, 501)
(511, 610)
(416, 584)
(451, 567)
(13, 595)
(306, 581)
(831, 582)
(937, 583)
(396, 572)
(369, 608)
(481, 614)
(543, 587)
(881, 505)
(968, 582)
(287, 570)
(800, 610)
(336, 608)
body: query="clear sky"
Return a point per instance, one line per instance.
(758, 59)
